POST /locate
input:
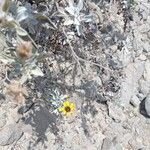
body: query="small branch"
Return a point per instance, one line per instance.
(78, 59)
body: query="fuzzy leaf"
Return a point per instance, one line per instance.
(68, 21)
(24, 78)
(5, 5)
(87, 18)
(80, 5)
(9, 23)
(61, 11)
(71, 3)
(13, 8)
(78, 28)
(21, 32)
(70, 10)
(76, 21)
(22, 14)
(5, 59)
(37, 71)
(25, 16)
(43, 17)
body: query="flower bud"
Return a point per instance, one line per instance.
(24, 49)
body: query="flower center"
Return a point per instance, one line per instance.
(67, 109)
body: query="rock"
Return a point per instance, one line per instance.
(135, 101)
(109, 144)
(144, 83)
(140, 96)
(115, 64)
(10, 134)
(106, 144)
(136, 144)
(147, 105)
(115, 112)
(144, 86)
(129, 86)
(142, 57)
(146, 47)
(148, 34)
(2, 120)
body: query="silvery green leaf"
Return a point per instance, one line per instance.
(31, 25)
(5, 59)
(76, 21)
(10, 22)
(2, 14)
(26, 18)
(21, 32)
(55, 111)
(70, 10)
(5, 5)
(71, 3)
(61, 11)
(13, 8)
(36, 71)
(24, 78)
(19, 39)
(63, 97)
(87, 18)
(43, 17)
(74, 10)
(22, 13)
(80, 5)
(68, 21)
(9, 18)
(78, 28)
(3, 43)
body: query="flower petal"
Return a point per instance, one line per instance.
(66, 103)
(72, 106)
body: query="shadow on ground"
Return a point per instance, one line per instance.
(42, 121)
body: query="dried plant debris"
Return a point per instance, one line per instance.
(16, 92)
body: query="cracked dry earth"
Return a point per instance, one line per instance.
(120, 124)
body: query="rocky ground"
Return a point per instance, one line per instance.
(120, 120)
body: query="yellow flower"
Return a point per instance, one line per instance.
(66, 108)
